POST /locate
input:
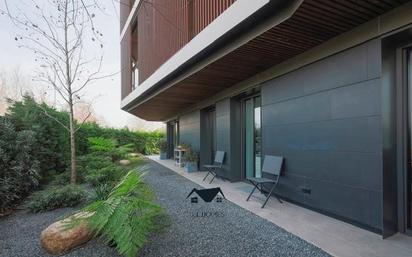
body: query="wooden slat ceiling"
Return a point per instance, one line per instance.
(314, 22)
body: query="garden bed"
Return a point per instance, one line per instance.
(20, 236)
(229, 231)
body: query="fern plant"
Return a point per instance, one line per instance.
(102, 191)
(127, 217)
(100, 144)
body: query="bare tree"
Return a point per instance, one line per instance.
(68, 49)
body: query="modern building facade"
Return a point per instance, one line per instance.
(325, 84)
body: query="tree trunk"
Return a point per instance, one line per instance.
(73, 176)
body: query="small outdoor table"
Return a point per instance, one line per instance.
(179, 154)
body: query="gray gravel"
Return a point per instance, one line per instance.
(20, 236)
(228, 231)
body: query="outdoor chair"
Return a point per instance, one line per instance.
(217, 164)
(271, 165)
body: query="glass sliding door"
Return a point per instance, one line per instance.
(258, 137)
(252, 137)
(172, 137)
(211, 133)
(175, 134)
(249, 138)
(409, 143)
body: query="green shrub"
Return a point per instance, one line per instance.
(109, 147)
(100, 144)
(102, 191)
(124, 150)
(107, 175)
(191, 155)
(51, 141)
(162, 145)
(34, 148)
(143, 142)
(127, 217)
(93, 161)
(19, 170)
(63, 178)
(56, 197)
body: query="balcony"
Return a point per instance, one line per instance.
(162, 36)
(155, 30)
(126, 7)
(234, 49)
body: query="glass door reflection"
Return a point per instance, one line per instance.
(409, 172)
(252, 137)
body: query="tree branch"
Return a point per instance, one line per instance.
(54, 118)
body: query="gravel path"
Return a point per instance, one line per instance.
(227, 231)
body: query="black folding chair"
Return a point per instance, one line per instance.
(217, 164)
(272, 165)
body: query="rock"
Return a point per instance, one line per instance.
(56, 239)
(125, 162)
(134, 154)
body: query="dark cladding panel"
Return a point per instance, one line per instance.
(350, 168)
(361, 99)
(374, 59)
(314, 107)
(189, 130)
(349, 67)
(347, 202)
(355, 100)
(223, 134)
(325, 119)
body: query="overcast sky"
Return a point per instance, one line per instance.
(106, 93)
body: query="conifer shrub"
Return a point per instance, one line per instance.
(56, 197)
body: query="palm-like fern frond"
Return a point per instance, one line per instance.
(127, 217)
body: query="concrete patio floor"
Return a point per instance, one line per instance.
(331, 235)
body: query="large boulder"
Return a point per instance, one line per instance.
(57, 238)
(124, 162)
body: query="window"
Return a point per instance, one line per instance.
(135, 75)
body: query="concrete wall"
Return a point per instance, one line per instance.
(325, 119)
(189, 129)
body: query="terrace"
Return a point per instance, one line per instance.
(331, 235)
